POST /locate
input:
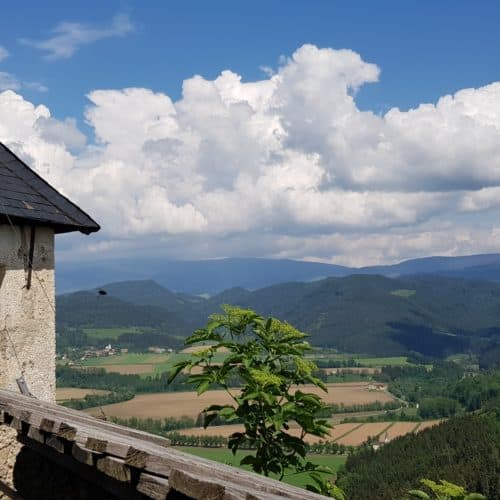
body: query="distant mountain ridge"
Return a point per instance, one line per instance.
(214, 276)
(370, 314)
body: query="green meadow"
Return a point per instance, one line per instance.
(225, 456)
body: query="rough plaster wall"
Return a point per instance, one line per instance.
(9, 450)
(27, 325)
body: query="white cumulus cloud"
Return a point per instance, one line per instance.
(286, 166)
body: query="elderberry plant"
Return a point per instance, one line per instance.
(266, 357)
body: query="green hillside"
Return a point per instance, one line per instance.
(361, 314)
(462, 450)
(90, 310)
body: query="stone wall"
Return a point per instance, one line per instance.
(27, 324)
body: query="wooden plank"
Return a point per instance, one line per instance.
(115, 468)
(35, 434)
(108, 446)
(73, 417)
(47, 425)
(136, 458)
(138, 455)
(66, 431)
(195, 486)
(84, 456)
(153, 487)
(56, 443)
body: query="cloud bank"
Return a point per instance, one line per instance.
(288, 166)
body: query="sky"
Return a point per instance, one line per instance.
(350, 132)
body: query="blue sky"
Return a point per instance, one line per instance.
(307, 134)
(425, 49)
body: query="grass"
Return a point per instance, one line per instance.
(225, 456)
(367, 361)
(348, 377)
(132, 358)
(161, 362)
(388, 361)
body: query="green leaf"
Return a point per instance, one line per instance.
(203, 387)
(178, 367)
(419, 494)
(208, 418)
(248, 460)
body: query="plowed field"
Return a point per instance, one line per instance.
(177, 404)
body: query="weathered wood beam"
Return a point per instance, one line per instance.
(195, 486)
(115, 468)
(127, 456)
(60, 413)
(153, 487)
(81, 454)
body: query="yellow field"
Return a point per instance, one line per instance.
(227, 430)
(347, 434)
(199, 348)
(178, 404)
(401, 428)
(65, 393)
(359, 436)
(130, 369)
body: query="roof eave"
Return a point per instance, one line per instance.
(58, 228)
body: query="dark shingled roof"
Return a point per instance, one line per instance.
(25, 198)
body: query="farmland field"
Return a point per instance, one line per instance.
(366, 361)
(178, 404)
(129, 358)
(139, 369)
(352, 434)
(66, 393)
(354, 369)
(141, 363)
(400, 429)
(362, 433)
(113, 333)
(379, 362)
(225, 456)
(227, 430)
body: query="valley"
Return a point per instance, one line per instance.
(400, 356)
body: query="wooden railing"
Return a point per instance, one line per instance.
(120, 459)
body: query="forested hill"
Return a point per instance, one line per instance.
(365, 314)
(462, 450)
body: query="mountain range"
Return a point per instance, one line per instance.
(214, 276)
(433, 314)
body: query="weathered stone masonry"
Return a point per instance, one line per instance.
(27, 329)
(27, 317)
